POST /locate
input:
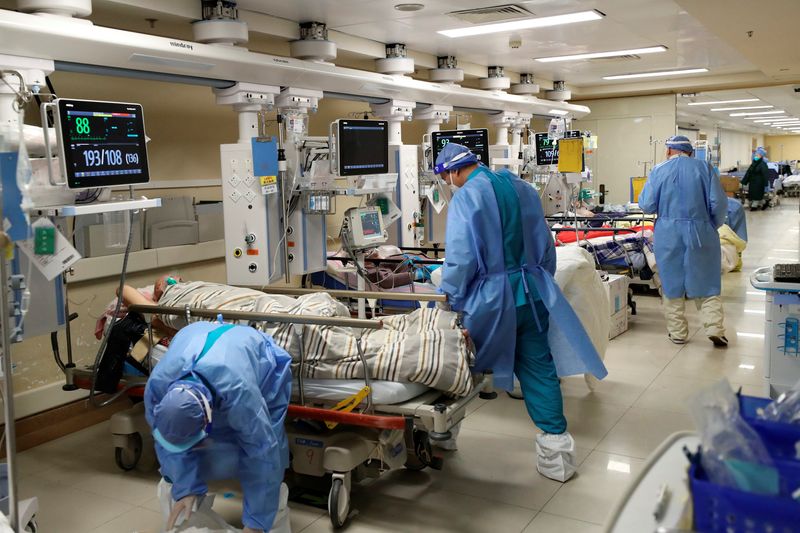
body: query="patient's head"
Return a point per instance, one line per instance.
(163, 282)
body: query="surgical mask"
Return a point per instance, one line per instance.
(454, 188)
(756, 157)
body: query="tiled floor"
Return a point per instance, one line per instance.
(490, 484)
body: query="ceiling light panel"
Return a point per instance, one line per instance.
(742, 108)
(749, 113)
(595, 55)
(516, 25)
(656, 74)
(717, 102)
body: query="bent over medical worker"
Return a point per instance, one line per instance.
(688, 198)
(216, 403)
(498, 272)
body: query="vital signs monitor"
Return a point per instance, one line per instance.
(101, 143)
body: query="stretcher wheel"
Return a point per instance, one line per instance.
(128, 457)
(338, 503)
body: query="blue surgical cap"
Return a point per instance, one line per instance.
(181, 417)
(454, 156)
(680, 142)
(761, 151)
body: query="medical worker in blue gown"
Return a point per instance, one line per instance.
(216, 403)
(736, 218)
(498, 272)
(688, 198)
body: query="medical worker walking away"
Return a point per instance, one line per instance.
(757, 177)
(498, 272)
(688, 198)
(216, 403)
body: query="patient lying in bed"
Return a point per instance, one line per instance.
(425, 346)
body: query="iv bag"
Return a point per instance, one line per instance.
(556, 129)
(24, 170)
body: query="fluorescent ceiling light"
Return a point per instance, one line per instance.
(743, 107)
(749, 113)
(656, 74)
(595, 55)
(557, 112)
(716, 102)
(783, 120)
(515, 25)
(745, 366)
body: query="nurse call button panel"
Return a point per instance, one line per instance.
(101, 144)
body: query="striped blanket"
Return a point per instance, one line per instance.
(425, 346)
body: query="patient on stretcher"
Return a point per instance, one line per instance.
(425, 346)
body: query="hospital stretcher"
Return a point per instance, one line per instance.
(348, 446)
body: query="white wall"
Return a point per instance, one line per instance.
(737, 147)
(692, 135)
(630, 133)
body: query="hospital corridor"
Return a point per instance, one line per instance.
(364, 266)
(486, 484)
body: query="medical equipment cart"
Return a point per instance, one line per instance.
(781, 335)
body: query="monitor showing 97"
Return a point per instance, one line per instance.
(102, 143)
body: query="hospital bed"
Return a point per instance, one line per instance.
(391, 426)
(340, 275)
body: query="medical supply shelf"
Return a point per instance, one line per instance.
(73, 210)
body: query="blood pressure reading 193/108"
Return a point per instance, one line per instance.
(103, 143)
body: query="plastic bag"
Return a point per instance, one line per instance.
(733, 454)
(786, 408)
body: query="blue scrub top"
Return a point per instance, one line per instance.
(513, 240)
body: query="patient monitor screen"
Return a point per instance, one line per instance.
(102, 143)
(363, 147)
(547, 148)
(370, 223)
(476, 140)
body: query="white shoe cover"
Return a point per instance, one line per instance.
(555, 456)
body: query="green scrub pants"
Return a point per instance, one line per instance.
(536, 371)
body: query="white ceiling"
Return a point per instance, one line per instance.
(781, 97)
(628, 24)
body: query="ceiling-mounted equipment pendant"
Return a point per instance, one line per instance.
(496, 80)
(447, 71)
(62, 8)
(526, 85)
(313, 43)
(559, 92)
(396, 60)
(220, 24)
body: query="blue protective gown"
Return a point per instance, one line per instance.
(688, 198)
(736, 218)
(250, 379)
(477, 281)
